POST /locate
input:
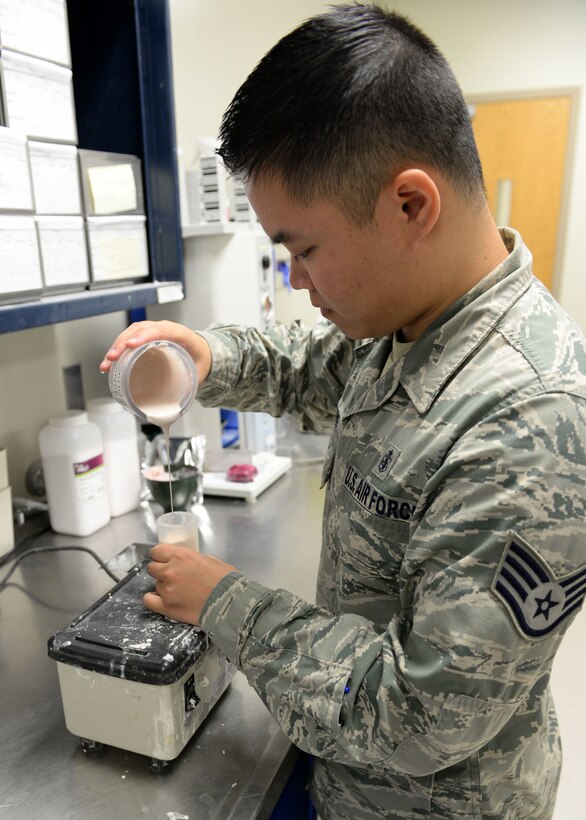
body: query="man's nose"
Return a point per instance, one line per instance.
(298, 277)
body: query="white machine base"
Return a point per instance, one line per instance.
(270, 468)
(151, 720)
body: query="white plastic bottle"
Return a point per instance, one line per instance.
(73, 467)
(120, 439)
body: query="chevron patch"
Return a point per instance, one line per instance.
(537, 601)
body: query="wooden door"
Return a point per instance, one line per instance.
(523, 145)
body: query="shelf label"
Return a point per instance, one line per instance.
(169, 293)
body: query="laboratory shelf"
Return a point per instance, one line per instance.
(53, 309)
(217, 228)
(123, 90)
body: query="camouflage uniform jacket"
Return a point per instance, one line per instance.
(453, 556)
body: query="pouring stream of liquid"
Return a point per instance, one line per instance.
(163, 415)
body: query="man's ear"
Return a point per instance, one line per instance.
(419, 199)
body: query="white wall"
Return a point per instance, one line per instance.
(29, 379)
(216, 44)
(494, 47)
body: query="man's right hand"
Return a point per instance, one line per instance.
(140, 333)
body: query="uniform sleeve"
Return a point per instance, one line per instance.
(455, 665)
(291, 370)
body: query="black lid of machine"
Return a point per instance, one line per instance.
(118, 636)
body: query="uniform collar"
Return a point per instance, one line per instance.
(446, 343)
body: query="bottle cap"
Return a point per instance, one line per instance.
(103, 407)
(70, 418)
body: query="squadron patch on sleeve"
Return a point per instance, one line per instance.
(537, 601)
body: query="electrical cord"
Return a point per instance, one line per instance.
(17, 559)
(10, 556)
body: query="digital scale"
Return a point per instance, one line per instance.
(270, 467)
(134, 679)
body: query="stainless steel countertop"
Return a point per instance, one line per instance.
(238, 761)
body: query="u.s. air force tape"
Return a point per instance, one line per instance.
(373, 500)
(537, 601)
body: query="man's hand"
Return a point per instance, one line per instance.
(140, 333)
(184, 579)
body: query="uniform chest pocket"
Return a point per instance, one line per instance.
(374, 524)
(369, 545)
(368, 513)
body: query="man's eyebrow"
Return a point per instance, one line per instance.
(281, 237)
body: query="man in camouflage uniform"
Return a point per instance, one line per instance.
(453, 555)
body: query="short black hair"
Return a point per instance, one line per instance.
(345, 101)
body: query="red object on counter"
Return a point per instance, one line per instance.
(241, 472)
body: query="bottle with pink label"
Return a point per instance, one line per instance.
(73, 466)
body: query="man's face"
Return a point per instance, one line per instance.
(354, 274)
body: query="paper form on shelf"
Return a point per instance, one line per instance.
(118, 247)
(37, 27)
(121, 256)
(63, 251)
(15, 184)
(55, 178)
(20, 264)
(39, 97)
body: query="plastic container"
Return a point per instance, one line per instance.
(157, 382)
(120, 441)
(180, 528)
(73, 467)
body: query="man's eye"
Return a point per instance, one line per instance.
(302, 255)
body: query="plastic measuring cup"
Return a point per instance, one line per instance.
(179, 528)
(156, 381)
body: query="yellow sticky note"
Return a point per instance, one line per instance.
(113, 189)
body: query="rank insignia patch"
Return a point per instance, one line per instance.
(537, 601)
